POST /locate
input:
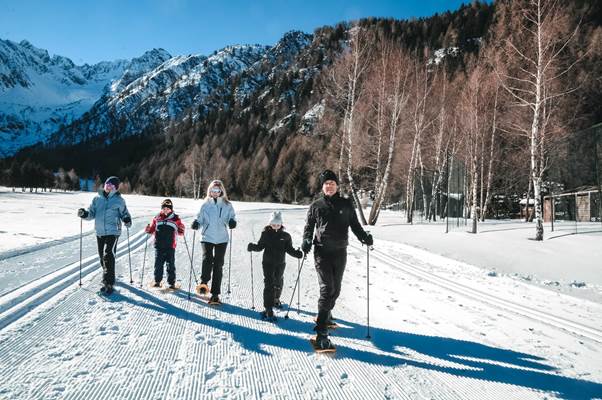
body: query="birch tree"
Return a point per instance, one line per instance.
(389, 95)
(345, 87)
(537, 66)
(420, 120)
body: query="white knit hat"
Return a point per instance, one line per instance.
(276, 218)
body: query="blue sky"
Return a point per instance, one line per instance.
(89, 31)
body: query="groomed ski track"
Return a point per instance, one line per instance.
(440, 330)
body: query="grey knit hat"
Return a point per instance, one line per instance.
(276, 218)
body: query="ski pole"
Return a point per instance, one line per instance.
(252, 286)
(129, 256)
(187, 251)
(295, 287)
(230, 262)
(81, 230)
(299, 291)
(144, 259)
(368, 290)
(191, 260)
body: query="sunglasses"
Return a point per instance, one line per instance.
(216, 190)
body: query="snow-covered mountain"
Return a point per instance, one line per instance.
(39, 94)
(182, 84)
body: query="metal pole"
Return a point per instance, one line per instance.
(81, 230)
(368, 291)
(129, 256)
(299, 291)
(295, 287)
(191, 260)
(144, 259)
(230, 262)
(252, 285)
(189, 257)
(553, 209)
(576, 212)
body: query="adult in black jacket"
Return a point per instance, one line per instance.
(276, 243)
(327, 227)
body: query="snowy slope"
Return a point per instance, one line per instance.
(182, 86)
(440, 329)
(39, 93)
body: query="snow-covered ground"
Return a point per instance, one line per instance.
(569, 260)
(440, 327)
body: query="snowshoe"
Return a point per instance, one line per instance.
(215, 301)
(268, 315)
(322, 344)
(154, 285)
(278, 304)
(172, 287)
(202, 289)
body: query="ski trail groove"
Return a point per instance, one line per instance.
(543, 317)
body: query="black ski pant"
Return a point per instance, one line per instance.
(273, 278)
(330, 266)
(165, 256)
(107, 248)
(213, 261)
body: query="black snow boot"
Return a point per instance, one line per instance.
(278, 304)
(268, 315)
(322, 340)
(106, 289)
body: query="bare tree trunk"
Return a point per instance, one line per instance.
(425, 205)
(398, 103)
(491, 156)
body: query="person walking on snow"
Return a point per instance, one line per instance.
(327, 227)
(108, 210)
(215, 217)
(166, 227)
(275, 242)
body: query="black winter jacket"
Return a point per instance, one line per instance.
(331, 217)
(276, 244)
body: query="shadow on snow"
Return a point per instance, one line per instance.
(470, 359)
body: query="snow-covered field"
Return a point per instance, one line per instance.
(442, 325)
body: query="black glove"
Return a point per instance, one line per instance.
(82, 213)
(306, 246)
(127, 221)
(232, 224)
(368, 240)
(250, 247)
(298, 253)
(195, 225)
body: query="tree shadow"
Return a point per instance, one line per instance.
(389, 348)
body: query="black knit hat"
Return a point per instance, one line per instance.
(328, 175)
(113, 180)
(167, 203)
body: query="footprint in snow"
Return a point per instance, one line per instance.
(80, 373)
(344, 380)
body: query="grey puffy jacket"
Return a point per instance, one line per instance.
(107, 213)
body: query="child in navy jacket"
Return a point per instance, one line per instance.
(276, 243)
